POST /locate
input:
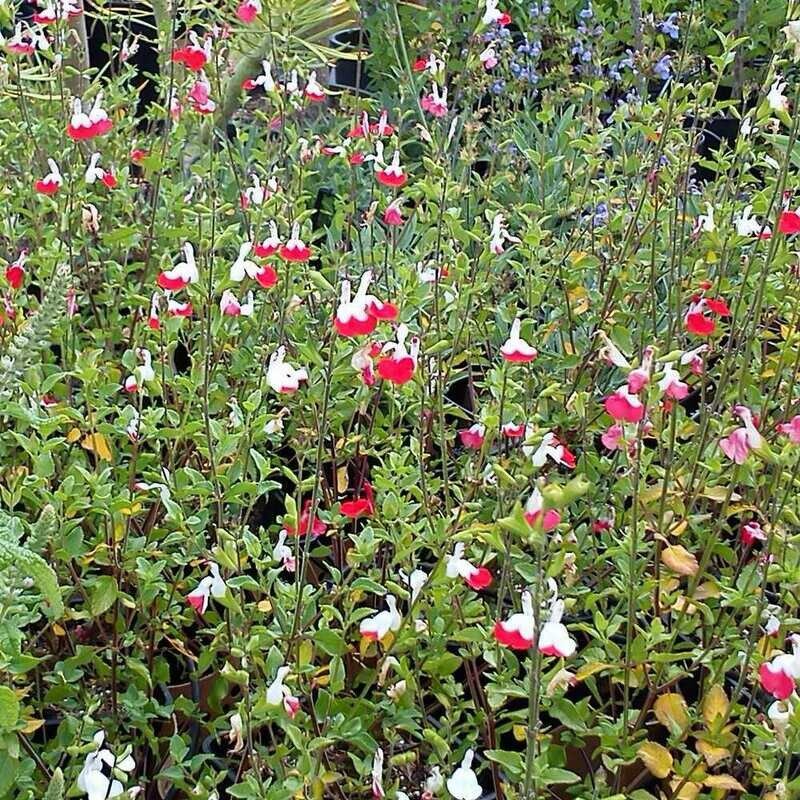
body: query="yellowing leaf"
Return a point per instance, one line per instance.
(656, 758)
(677, 558)
(96, 443)
(688, 791)
(723, 782)
(520, 732)
(32, 725)
(58, 630)
(73, 435)
(670, 710)
(712, 754)
(590, 669)
(715, 704)
(264, 606)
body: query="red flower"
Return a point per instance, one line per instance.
(361, 506)
(789, 222)
(318, 527)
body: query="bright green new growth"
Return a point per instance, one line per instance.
(35, 336)
(19, 561)
(55, 789)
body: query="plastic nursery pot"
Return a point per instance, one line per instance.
(351, 73)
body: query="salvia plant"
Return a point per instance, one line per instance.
(430, 434)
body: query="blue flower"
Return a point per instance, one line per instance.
(587, 12)
(663, 67)
(498, 87)
(533, 10)
(669, 27)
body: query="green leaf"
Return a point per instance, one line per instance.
(9, 708)
(331, 642)
(558, 775)
(104, 593)
(511, 762)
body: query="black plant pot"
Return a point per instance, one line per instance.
(351, 73)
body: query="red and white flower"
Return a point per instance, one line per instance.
(489, 58)
(282, 377)
(15, 271)
(639, 378)
(283, 553)
(389, 175)
(51, 182)
(25, 41)
(392, 215)
(493, 15)
(314, 91)
(269, 246)
(212, 585)
(265, 79)
(143, 373)
(87, 125)
(514, 430)
(779, 676)
(278, 694)
(435, 102)
(515, 348)
(231, 307)
(624, 406)
(473, 437)
(182, 274)
(295, 248)
(95, 173)
(747, 225)
(459, 567)
(533, 512)
(62, 9)
(194, 56)
(363, 362)
(378, 625)
(500, 235)
(152, 320)
(519, 630)
(694, 359)
(741, 441)
(177, 309)
(398, 363)
(554, 639)
(551, 448)
(671, 385)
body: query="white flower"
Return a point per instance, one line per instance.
(92, 778)
(377, 774)
(463, 783)
(396, 691)
(776, 99)
(236, 734)
(792, 31)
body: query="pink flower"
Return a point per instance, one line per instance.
(791, 429)
(639, 378)
(613, 437)
(671, 384)
(248, 10)
(435, 103)
(624, 407)
(473, 436)
(779, 676)
(489, 58)
(752, 532)
(392, 215)
(533, 512)
(738, 444)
